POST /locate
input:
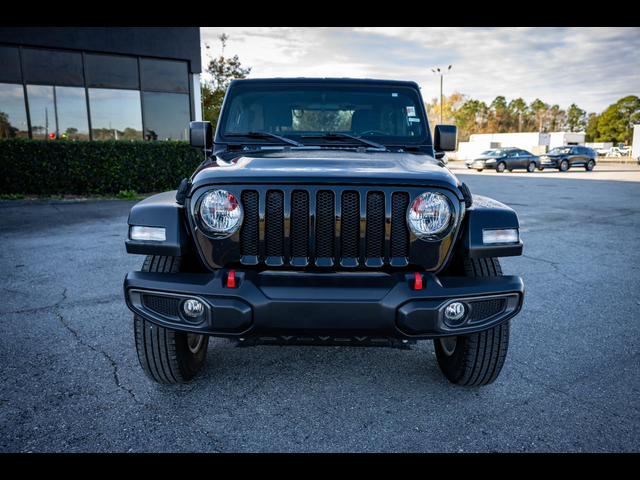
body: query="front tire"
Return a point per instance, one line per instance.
(531, 168)
(475, 360)
(565, 166)
(166, 356)
(590, 166)
(501, 167)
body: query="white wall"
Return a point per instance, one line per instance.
(525, 141)
(197, 97)
(531, 141)
(636, 141)
(562, 139)
(472, 150)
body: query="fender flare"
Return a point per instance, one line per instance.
(159, 211)
(488, 214)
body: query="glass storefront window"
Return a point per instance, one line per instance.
(10, 70)
(13, 113)
(115, 114)
(167, 116)
(58, 113)
(109, 71)
(51, 67)
(164, 75)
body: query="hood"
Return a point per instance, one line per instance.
(327, 167)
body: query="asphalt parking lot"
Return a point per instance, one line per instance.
(70, 379)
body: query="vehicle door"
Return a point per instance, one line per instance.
(526, 158)
(521, 159)
(577, 157)
(513, 160)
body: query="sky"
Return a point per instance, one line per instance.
(592, 67)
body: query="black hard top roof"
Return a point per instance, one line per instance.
(329, 81)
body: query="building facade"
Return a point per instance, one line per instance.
(99, 83)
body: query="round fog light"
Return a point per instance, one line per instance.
(193, 308)
(455, 312)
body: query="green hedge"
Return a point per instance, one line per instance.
(93, 168)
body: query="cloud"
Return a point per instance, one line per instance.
(591, 66)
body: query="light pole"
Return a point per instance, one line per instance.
(442, 74)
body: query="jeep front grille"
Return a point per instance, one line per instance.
(327, 228)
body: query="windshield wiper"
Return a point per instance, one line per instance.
(265, 135)
(344, 136)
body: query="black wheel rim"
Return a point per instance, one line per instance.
(449, 346)
(195, 342)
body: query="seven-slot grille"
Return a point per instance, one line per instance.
(327, 228)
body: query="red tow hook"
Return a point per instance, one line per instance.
(418, 284)
(231, 279)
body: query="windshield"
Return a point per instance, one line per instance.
(383, 114)
(496, 153)
(561, 151)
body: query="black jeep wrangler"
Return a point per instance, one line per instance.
(322, 215)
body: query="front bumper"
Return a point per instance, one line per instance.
(323, 305)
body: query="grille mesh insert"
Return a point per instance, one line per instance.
(325, 227)
(486, 309)
(275, 224)
(300, 224)
(399, 229)
(250, 233)
(347, 227)
(167, 307)
(375, 225)
(350, 234)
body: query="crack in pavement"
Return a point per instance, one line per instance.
(95, 301)
(555, 265)
(82, 342)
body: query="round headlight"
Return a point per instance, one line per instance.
(430, 215)
(221, 213)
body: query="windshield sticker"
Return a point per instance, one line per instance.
(395, 95)
(411, 111)
(414, 120)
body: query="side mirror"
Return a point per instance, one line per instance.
(446, 138)
(202, 136)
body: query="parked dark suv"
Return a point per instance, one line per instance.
(323, 215)
(507, 159)
(565, 158)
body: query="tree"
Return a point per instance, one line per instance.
(576, 119)
(556, 118)
(6, 129)
(471, 118)
(223, 71)
(450, 108)
(500, 120)
(539, 109)
(592, 127)
(519, 111)
(616, 123)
